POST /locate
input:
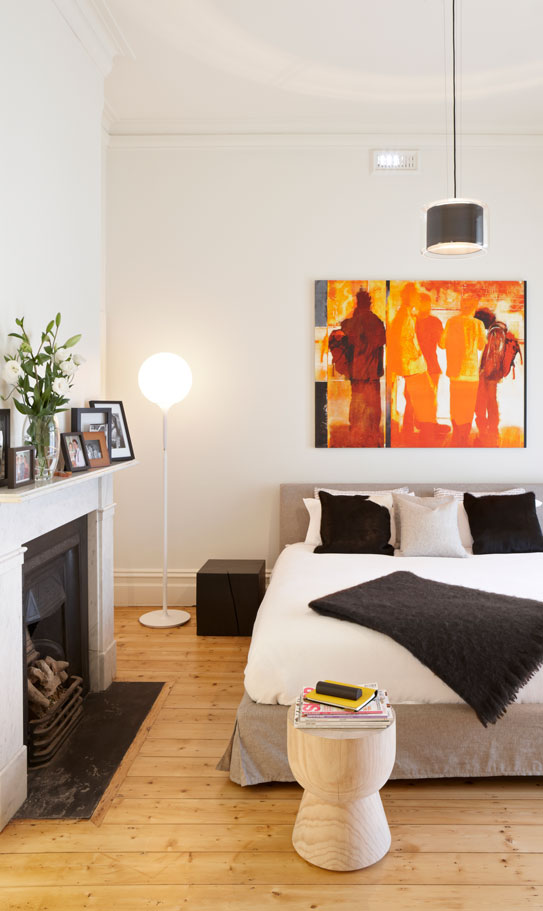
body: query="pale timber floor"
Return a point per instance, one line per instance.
(173, 833)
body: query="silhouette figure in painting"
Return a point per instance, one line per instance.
(428, 329)
(463, 339)
(497, 361)
(406, 358)
(357, 353)
(429, 332)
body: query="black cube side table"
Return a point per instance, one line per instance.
(228, 595)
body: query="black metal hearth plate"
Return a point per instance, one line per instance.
(72, 785)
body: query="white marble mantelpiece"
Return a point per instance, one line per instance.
(26, 514)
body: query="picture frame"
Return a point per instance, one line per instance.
(74, 451)
(120, 449)
(96, 448)
(20, 466)
(5, 418)
(92, 420)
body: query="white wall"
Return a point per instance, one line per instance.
(212, 253)
(51, 100)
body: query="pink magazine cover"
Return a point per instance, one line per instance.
(374, 708)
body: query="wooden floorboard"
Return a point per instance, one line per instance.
(319, 897)
(176, 833)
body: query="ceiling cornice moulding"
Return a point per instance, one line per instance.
(96, 29)
(267, 140)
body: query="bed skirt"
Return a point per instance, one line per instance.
(433, 741)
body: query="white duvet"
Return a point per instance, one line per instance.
(293, 646)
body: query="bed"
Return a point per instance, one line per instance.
(438, 734)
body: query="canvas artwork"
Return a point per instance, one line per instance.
(420, 364)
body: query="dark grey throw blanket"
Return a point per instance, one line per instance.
(485, 646)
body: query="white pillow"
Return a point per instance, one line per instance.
(463, 521)
(430, 527)
(313, 535)
(363, 493)
(313, 506)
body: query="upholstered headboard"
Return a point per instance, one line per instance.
(293, 516)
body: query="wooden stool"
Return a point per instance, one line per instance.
(341, 824)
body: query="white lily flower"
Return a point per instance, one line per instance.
(12, 371)
(78, 359)
(60, 355)
(60, 386)
(68, 367)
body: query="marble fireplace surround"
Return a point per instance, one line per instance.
(26, 514)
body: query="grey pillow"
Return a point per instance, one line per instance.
(429, 527)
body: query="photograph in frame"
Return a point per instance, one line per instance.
(97, 449)
(74, 452)
(93, 420)
(121, 445)
(20, 466)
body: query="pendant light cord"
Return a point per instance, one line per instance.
(454, 91)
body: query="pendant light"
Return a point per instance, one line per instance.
(455, 227)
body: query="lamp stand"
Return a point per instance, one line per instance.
(163, 619)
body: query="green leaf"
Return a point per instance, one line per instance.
(19, 322)
(15, 335)
(49, 327)
(24, 409)
(57, 319)
(72, 341)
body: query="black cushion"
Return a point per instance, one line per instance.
(504, 524)
(353, 525)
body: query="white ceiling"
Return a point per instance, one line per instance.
(349, 66)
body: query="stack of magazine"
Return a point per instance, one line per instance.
(376, 713)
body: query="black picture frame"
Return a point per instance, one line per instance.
(69, 464)
(119, 426)
(5, 427)
(87, 419)
(14, 461)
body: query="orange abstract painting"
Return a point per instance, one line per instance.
(420, 363)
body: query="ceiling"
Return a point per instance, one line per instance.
(324, 66)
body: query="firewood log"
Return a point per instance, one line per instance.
(49, 682)
(36, 697)
(37, 674)
(56, 666)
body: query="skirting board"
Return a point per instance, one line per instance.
(143, 587)
(12, 786)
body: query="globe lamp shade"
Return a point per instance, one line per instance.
(165, 379)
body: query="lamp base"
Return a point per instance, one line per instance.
(159, 619)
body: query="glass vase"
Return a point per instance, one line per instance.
(42, 432)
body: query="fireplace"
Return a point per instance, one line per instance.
(55, 636)
(26, 514)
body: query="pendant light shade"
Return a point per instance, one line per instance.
(455, 227)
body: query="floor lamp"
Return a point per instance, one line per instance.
(165, 379)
